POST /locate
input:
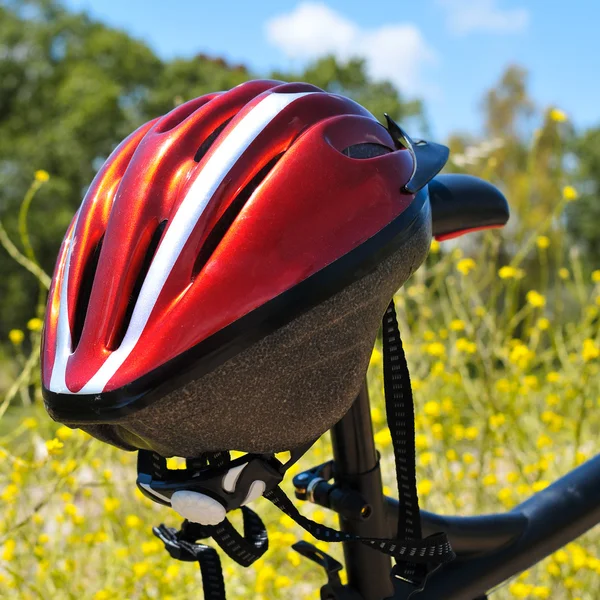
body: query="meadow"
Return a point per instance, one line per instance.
(504, 349)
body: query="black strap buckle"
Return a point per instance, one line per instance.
(178, 548)
(333, 589)
(230, 483)
(408, 587)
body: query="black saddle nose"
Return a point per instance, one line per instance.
(463, 203)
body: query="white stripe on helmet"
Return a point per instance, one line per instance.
(63, 331)
(176, 235)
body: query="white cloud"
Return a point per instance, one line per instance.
(467, 16)
(396, 52)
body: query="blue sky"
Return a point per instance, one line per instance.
(447, 52)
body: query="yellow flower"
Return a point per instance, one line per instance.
(471, 433)
(35, 324)
(54, 446)
(531, 381)
(41, 176)
(383, 438)
(133, 521)
(432, 409)
(505, 495)
(294, 558)
(151, 547)
(421, 441)
(503, 385)
(282, 581)
(451, 454)
(64, 433)
(425, 459)
(376, 415)
(538, 486)
(376, 358)
(497, 421)
(318, 516)
(435, 349)
(171, 573)
(563, 273)
(543, 441)
(536, 299)
(468, 458)
(489, 480)
(458, 431)
(70, 509)
(424, 487)
(8, 553)
(561, 557)
(174, 463)
(520, 590)
(596, 276)
(438, 368)
(594, 564)
(429, 336)
(457, 325)
(140, 569)
(510, 273)
(590, 351)
(447, 404)
(558, 115)
(102, 595)
(553, 569)
(465, 265)
(16, 336)
(435, 247)
(29, 423)
(570, 193)
(100, 537)
(464, 345)
(111, 504)
(541, 591)
(543, 323)
(542, 242)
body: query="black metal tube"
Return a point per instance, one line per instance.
(357, 465)
(468, 535)
(555, 516)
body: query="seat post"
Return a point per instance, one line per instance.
(357, 466)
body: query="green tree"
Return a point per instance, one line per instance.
(69, 91)
(351, 79)
(184, 79)
(72, 87)
(584, 215)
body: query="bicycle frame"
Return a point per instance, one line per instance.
(490, 549)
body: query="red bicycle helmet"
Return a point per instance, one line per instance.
(223, 281)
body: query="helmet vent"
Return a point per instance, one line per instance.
(228, 217)
(366, 150)
(210, 140)
(85, 291)
(150, 252)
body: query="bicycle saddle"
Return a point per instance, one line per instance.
(462, 203)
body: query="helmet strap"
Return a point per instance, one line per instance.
(416, 558)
